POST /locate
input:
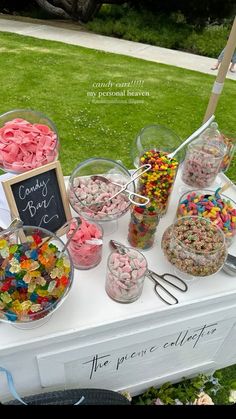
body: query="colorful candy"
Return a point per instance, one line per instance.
(33, 278)
(25, 146)
(157, 183)
(195, 246)
(230, 147)
(125, 275)
(142, 226)
(86, 245)
(219, 209)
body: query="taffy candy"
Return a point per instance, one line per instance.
(125, 275)
(25, 146)
(33, 278)
(86, 245)
(217, 208)
(157, 183)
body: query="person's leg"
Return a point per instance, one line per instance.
(233, 63)
(216, 66)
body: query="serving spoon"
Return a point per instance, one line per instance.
(192, 137)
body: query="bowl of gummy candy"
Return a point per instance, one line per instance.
(36, 274)
(28, 139)
(91, 188)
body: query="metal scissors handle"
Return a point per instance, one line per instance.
(137, 173)
(155, 278)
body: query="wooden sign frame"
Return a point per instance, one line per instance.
(7, 186)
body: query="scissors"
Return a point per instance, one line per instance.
(172, 280)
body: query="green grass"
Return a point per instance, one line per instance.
(168, 31)
(55, 79)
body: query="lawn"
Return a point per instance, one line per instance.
(64, 82)
(58, 80)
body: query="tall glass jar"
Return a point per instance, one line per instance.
(202, 163)
(157, 183)
(230, 143)
(152, 146)
(125, 275)
(194, 246)
(142, 226)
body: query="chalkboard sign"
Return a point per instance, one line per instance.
(38, 197)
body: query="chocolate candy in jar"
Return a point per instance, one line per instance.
(202, 163)
(125, 275)
(142, 226)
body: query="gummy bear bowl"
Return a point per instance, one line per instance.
(28, 139)
(207, 203)
(35, 276)
(90, 197)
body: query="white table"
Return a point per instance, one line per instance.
(92, 341)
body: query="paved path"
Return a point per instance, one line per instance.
(109, 44)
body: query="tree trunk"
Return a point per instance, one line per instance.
(83, 10)
(56, 11)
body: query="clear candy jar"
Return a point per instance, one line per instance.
(85, 247)
(36, 276)
(157, 183)
(230, 143)
(202, 163)
(151, 146)
(92, 184)
(125, 275)
(217, 208)
(154, 137)
(142, 226)
(194, 246)
(28, 139)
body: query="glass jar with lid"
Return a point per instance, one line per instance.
(202, 163)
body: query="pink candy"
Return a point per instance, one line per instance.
(86, 245)
(25, 146)
(125, 275)
(92, 197)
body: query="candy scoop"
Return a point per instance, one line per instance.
(192, 137)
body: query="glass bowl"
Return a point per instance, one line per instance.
(90, 197)
(28, 139)
(194, 246)
(206, 203)
(35, 275)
